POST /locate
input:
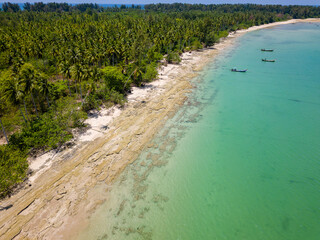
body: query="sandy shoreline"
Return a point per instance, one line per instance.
(66, 187)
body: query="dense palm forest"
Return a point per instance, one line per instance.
(59, 61)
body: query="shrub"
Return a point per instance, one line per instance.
(223, 34)
(173, 57)
(196, 45)
(115, 97)
(41, 134)
(114, 78)
(91, 102)
(13, 168)
(210, 39)
(50, 130)
(59, 89)
(153, 55)
(150, 72)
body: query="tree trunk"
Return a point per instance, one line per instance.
(69, 87)
(81, 92)
(4, 132)
(48, 100)
(76, 88)
(34, 104)
(22, 115)
(25, 108)
(40, 103)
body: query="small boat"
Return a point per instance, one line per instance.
(266, 50)
(235, 70)
(266, 60)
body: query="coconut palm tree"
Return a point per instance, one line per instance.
(65, 69)
(43, 87)
(13, 94)
(28, 76)
(77, 73)
(96, 75)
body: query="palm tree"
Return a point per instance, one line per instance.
(77, 73)
(27, 76)
(75, 55)
(43, 87)
(13, 94)
(86, 76)
(96, 75)
(13, 75)
(65, 69)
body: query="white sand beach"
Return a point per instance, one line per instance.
(67, 185)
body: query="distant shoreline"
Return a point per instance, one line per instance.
(63, 196)
(270, 25)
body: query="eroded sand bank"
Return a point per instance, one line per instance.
(66, 187)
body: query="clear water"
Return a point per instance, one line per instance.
(241, 159)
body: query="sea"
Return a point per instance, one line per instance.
(239, 160)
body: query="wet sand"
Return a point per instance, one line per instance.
(62, 195)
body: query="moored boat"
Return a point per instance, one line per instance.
(267, 60)
(236, 70)
(266, 50)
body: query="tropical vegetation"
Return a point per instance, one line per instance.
(59, 61)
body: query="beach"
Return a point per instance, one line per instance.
(66, 187)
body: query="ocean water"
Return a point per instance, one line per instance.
(241, 158)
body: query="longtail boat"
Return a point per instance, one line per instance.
(266, 50)
(236, 70)
(266, 60)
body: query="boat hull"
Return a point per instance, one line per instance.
(235, 70)
(266, 60)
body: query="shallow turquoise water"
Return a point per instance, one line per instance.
(241, 159)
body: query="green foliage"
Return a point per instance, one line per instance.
(292, 10)
(13, 168)
(50, 130)
(91, 102)
(173, 57)
(223, 34)
(113, 78)
(99, 53)
(41, 134)
(11, 120)
(44, 66)
(196, 45)
(150, 73)
(153, 55)
(10, 7)
(115, 97)
(210, 39)
(59, 89)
